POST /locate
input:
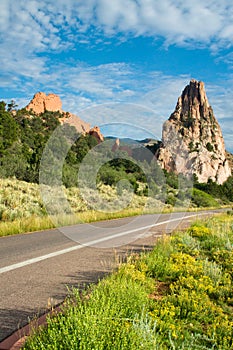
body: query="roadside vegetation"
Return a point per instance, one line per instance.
(23, 210)
(178, 296)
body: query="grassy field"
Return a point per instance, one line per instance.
(178, 296)
(22, 208)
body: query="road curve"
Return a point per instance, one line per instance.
(37, 268)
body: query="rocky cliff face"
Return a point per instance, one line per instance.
(192, 141)
(42, 102)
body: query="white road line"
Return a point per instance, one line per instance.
(90, 243)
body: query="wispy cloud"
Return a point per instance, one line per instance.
(33, 33)
(178, 22)
(101, 83)
(221, 98)
(31, 30)
(145, 112)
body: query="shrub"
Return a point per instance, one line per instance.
(202, 199)
(199, 231)
(209, 147)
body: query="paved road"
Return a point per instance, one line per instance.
(37, 268)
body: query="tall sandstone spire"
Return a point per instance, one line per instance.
(192, 141)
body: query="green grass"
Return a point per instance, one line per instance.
(178, 296)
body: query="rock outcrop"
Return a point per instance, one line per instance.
(119, 146)
(192, 141)
(42, 102)
(116, 145)
(80, 125)
(95, 132)
(52, 103)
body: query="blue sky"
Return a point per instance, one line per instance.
(119, 61)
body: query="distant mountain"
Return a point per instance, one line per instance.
(141, 150)
(133, 141)
(123, 140)
(192, 141)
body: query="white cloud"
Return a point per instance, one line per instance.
(4, 14)
(227, 58)
(178, 22)
(103, 82)
(74, 103)
(31, 30)
(43, 24)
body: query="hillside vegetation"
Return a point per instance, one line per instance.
(23, 137)
(178, 296)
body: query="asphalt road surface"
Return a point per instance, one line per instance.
(37, 269)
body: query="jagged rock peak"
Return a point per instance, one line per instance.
(192, 141)
(195, 93)
(193, 101)
(42, 102)
(116, 145)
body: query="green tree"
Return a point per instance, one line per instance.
(8, 130)
(11, 106)
(13, 162)
(2, 106)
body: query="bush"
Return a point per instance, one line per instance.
(209, 147)
(202, 199)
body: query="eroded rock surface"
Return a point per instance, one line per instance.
(192, 141)
(42, 102)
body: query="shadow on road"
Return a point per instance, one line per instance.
(11, 319)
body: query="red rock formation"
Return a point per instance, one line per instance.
(42, 102)
(95, 131)
(117, 146)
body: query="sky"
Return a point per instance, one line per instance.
(119, 64)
